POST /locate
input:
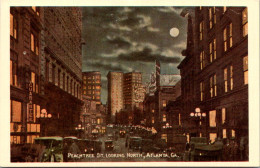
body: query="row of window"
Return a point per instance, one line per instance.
(62, 80)
(213, 21)
(228, 80)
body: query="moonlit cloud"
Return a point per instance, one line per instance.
(131, 38)
(152, 29)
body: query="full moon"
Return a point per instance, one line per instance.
(174, 32)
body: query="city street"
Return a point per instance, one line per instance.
(120, 153)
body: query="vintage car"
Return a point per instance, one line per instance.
(122, 133)
(135, 143)
(53, 147)
(201, 150)
(84, 145)
(109, 146)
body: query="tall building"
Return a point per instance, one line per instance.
(92, 85)
(115, 94)
(45, 71)
(63, 67)
(215, 72)
(26, 85)
(132, 81)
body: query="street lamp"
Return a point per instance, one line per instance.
(79, 128)
(198, 115)
(43, 116)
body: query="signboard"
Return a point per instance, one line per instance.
(30, 113)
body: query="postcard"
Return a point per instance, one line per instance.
(130, 84)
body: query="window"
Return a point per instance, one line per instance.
(245, 22)
(213, 86)
(224, 9)
(225, 80)
(16, 111)
(152, 110)
(164, 118)
(67, 87)
(202, 91)
(13, 73)
(13, 26)
(179, 119)
(223, 111)
(59, 78)
(15, 139)
(152, 120)
(227, 36)
(53, 73)
(212, 137)
(212, 118)
(97, 87)
(224, 132)
(201, 29)
(47, 70)
(164, 136)
(164, 103)
(212, 17)
(33, 80)
(34, 44)
(36, 10)
(63, 78)
(245, 69)
(212, 50)
(202, 60)
(233, 133)
(231, 77)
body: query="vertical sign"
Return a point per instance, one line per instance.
(30, 114)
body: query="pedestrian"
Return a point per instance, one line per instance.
(74, 149)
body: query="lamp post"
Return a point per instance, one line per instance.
(79, 128)
(42, 117)
(198, 115)
(167, 127)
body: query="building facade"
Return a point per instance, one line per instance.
(115, 94)
(45, 71)
(218, 49)
(92, 85)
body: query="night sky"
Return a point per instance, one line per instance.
(130, 39)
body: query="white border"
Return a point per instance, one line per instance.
(253, 12)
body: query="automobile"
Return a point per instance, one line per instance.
(147, 146)
(53, 148)
(135, 143)
(110, 137)
(84, 145)
(95, 146)
(122, 133)
(109, 146)
(198, 141)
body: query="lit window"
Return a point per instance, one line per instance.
(225, 80)
(97, 87)
(230, 35)
(13, 26)
(225, 39)
(212, 118)
(223, 111)
(202, 60)
(212, 50)
(245, 69)
(224, 133)
(179, 119)
(13, 73)
(201, 30)
(212, 137)
(164, 118)
(152, 120)
(33, 80)
(201, 91)
(16, 111)
(233, 133)
(227, 36)
(164, 103)
(34, 44)
(212, 17)
(224, 9)
(152, 110)
(213, 86)
(231, 77)
(245, 22)
(164, 136)
(15, 139)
